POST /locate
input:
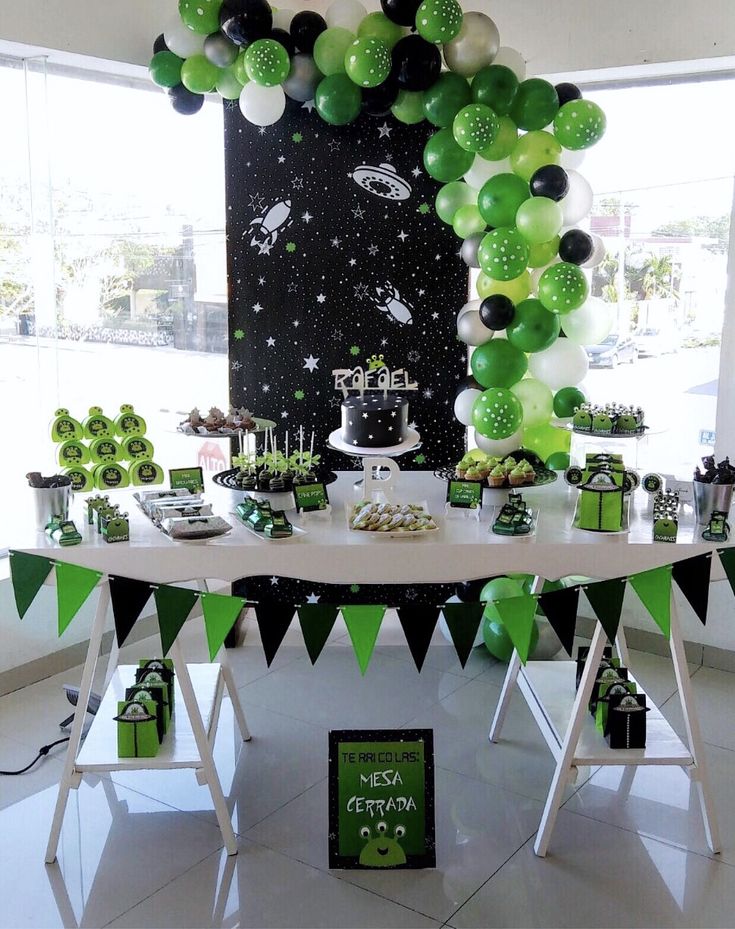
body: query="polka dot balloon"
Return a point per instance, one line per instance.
(497, 413)
(201, 16)
(367, 61)
(267, 62)
(439, 21)
(475, 127)
(579, 124)
(503, 254)
(562, 288)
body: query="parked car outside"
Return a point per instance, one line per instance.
(654, 342)
(614, 350)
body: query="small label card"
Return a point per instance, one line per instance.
(190, 478)
(310, 497)
(466, 495)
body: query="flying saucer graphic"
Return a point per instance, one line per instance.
(382, 181)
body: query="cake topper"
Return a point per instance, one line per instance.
(377, 376)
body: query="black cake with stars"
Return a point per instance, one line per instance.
(374, 420)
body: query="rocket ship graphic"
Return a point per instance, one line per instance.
(269, 224)
(387, 299)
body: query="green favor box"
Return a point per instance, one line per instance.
(137, 729)
(157, 694)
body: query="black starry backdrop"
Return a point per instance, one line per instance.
(335, 253)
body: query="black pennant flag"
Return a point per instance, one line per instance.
(727, 560)
(317, 621)
(692, 576)
(419, 623)
(274, 618)
(463, 620)
(560, 607)
(128, 597)
(606, 599)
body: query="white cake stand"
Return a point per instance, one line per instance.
(372, 474)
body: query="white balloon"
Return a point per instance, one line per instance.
(578, 201)
(181, 40)
(471, 329)
(590, 323)
(537, 272)
(464, 403)
(473, 305)
(598, 252)
(475, 45)
(499, 447)
(563, 364)
(482, 170)
(282, 19)
(571, 159)
(347, 14)
(513, 60)
(262, 106)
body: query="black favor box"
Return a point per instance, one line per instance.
(582, 652)
(626, 721)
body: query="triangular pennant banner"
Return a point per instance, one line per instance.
(518, 616)
(560, 607)
(73, 585)
(418, 622)
(606, 599)
(363, 625)
(654, 589)
(128, 597)
(692, 576)
(173, 605)
(727, 560)
(317, 621)
(274, 618)
(220, 613)
(28, 573)
(463, 621)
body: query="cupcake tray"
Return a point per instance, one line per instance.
(227, 479)
(543, 477)
(260, 426)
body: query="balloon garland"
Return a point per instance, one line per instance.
(505, 152)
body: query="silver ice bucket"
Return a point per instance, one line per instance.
(51, 501)
(709, 497)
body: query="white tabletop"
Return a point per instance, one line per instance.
(329, 552)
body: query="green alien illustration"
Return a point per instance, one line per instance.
(382, 851)
(582, 420)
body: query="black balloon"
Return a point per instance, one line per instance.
(497, 311)
(567, 92)
(550, 181)
(160, 45)
(576, 246)
(184, 101)
(402, 12)
(284, 38)
(466, 383)
(469, 591)
(416, 63)
(244, 21)
(305, 29)
(377, 101)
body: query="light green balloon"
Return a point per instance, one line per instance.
(201, 16)
(380, 27)
(579, 124)
(467, 221)
(504, 142)
(408, 108)
(228, 86)
(539, 219)
(330, 48)
(543, 253)
(534, 150)
(199, 75)
(439, 21)
(267, 62)
(536, 399)
(475, 127)
(368, 62)
(239, 70)
(451, 197)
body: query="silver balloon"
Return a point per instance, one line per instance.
(471, 329)
(302, 78)
(513, 60)
(464, 405)
(469, 307)
(475, 45)
(469, 249)
(220, 50)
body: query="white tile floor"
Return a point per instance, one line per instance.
(143, 849)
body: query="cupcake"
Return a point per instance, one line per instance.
(527, 468)
(463, 465)
(517, 476)
(496, 477)
(473, 474)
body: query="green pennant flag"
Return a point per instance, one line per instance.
(173, 605)
(463, 621)
(363, 625)
(606, 599)
(517, 614)
(654, 589)
(73, 585)
(727, 560)
(28, 573)
(220, 615)
(317, 621)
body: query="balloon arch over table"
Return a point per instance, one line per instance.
(505, 153)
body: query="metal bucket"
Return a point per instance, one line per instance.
(709, 497)
(51, 501)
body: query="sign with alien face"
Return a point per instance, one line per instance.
(381, 798)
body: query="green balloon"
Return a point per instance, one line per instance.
(444, 160)
(558, 461)
(475, 127)
(497, 412)
(579, 124)
(536, 399)
(533, 329)
(501, 588)
(496, 86)
(503, 254)
(543, 253)
(338, 100)
(535, 104)
(467, 221)
(199, 75)
(239, 70)
(201, 16)
(497, 363)
(567, 401)
(330, 49)
(546, 439)
(368, 62)
(228, 86)
(504, 141)
(165, 69)
(496, 638)
(445, 98)
(500, 197)
(539, 219)
(439, 21)
(380, 27)
(563, 287)
(408, 107)
(534, 150)
(451, 197)
(267, 62)
(515, 290)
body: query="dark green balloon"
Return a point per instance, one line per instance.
(444, 160)
(535, 105)
(558, 461)
(500, 197)
(497, 363)
(496, 86)
(567, 400)
(165, 69)
(533, 327)
(338, 100)
(445, 98)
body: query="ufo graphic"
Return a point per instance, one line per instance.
(382, 181)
